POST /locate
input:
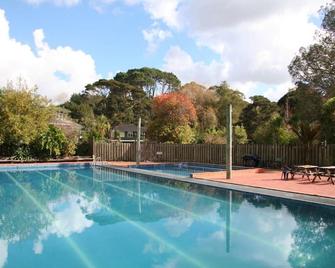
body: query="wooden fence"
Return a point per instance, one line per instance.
(215, 153)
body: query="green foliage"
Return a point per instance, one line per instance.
(150, 80)
(23, 115)
(274, 132)
(183, 134)
(302, 109)
(99, 130)
(228, 96)
(240, 135)
(328, 121)
(22, 153)
(257, 114)
(215, 136)
(69, 148)
(315, 65)
(53, 141)
(120, 102)
(82, 106)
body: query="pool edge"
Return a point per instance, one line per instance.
(230, 186)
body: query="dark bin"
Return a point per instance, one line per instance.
(251, 160)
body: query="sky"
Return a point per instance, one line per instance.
(62, 45)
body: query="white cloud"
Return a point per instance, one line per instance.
(154, 36)
(255, 40)
(160, 10)
(277, 91)
(181, 63)
(100, 5)
(176, 226)
(58, 72)
(69, 217)
(55, 2)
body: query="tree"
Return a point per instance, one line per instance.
(82, 106)
(226, 96)
(240, 135)
(23, 115)
(215, 136)
(328, 121)
(121, 103)
(173, 115)
(302, 110)
(257, 114)
(205, 102)
(315, 65)
(152, 81)
(53, 140)
(274, 132)
(100, 128)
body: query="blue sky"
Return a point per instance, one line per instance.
(249, 45)
(113, 37)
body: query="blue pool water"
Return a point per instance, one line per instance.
(93, 217)
(182, 169)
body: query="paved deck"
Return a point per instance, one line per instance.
(270, 179)
(262, 178)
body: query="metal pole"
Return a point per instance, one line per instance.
(138, 147)
(229, 145)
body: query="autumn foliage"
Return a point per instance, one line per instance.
(172, 112)
(174, 107)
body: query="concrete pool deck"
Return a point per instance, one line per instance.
(260, 178)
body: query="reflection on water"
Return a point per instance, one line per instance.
(117, 220)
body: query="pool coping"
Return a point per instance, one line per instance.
(28, 166)
(320, 200)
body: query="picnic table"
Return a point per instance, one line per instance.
(305, 170)
(327, 171)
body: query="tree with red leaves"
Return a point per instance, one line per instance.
(173, 119)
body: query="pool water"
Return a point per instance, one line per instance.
(94, 217)
(184, 170)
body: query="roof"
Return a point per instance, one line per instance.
(70, 127)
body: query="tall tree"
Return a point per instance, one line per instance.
(152, 81)
(257, 114)
(121, 102)
(205, 102)
(173, 119)
(227, 95)
(302, 110)
(275, 131)
(82, 106)
(328, 121)
(315, 65)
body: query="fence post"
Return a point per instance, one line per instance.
(229, 143)
(138, 147)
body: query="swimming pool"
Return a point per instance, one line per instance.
(96, 217)
(180, 169)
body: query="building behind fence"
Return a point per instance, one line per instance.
(271, 155)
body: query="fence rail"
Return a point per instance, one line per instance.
(215, 153)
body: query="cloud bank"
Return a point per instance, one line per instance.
(58, 72)
(254, 40)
